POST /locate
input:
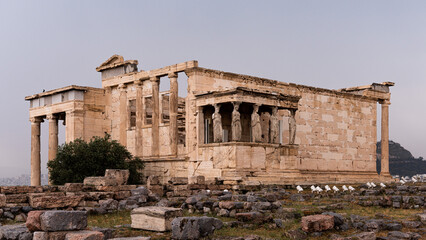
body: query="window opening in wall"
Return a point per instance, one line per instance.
(165, 103)
(132, 113)
(148, 110)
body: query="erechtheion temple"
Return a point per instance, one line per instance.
(229, 126)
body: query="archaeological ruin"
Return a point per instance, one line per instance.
(234, 127)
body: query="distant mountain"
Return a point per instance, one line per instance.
(23, 180)
(401, 161)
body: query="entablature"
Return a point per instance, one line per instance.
(254, 96)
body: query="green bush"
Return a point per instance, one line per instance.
(79, 159)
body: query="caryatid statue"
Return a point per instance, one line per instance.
(236, 122)
(274, 126)
(292, 126)
(256, 129)
(217, 124)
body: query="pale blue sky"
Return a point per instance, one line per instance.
(330, 44)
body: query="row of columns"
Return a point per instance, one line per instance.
(36, 145)
(155, 131)
(256, 129)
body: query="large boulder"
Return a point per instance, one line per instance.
(63, 220)
(15, 232)
(33, 221)
(154, 218)
(194, 227)
(317, 223)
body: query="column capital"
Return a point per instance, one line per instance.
(122, 86)
(51, 116)
(154, 78)
(172, 75)
(138, 82)
(36, 119)
(385, 102)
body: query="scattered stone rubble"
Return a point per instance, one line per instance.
(159, 207)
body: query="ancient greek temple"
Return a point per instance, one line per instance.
(226, 126)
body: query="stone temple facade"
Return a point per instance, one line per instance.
(229, 126)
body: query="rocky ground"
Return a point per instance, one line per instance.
(271, 212)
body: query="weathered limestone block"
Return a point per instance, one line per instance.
(108, 204)
(120, 175)
(53, 200)
(154, 218)
(120, 195)
(2, 200)
(194, 227)
(115, 188)
(33, 221)
(152, 180)
(63, 220)
(71, 235)
(100, 181)
(16, 198)
(92, 196)
(197, 180)
(317, 223)
(15, 232)
(84, 235)
(49, 235)
(178, 180)
(21, 189)
(73, 187)
(132, 238)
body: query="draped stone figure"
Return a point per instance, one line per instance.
(274, 126)
(217, 124)
(256, 129)
(236, 123)
(292, 126)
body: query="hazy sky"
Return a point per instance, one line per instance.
(330, 44)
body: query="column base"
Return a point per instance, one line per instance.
(386, 177)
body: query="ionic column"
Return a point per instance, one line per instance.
(53, 137)
(385, 139)
(123, 115)
(139, 118)
(35, 151)
(155, 83)
(173, 111)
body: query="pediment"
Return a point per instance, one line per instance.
(113, 60)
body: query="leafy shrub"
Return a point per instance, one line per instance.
(79, 159)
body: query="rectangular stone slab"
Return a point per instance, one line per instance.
(53, 221)
(157, 219)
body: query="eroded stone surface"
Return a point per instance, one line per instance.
(63, 220)
(154, 218)
(194, 227)
(317, 223)
(15, 232)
